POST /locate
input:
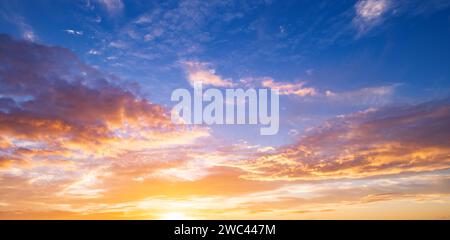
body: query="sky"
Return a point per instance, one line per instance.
(85, 106)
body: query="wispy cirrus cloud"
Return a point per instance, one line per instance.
(284, 88)
(26, 30)
(371, 96)
(296, 88)
(371, 9)
(372, 13)
(369, 13)
(118, 44)
(112, 6)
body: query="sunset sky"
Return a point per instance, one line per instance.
(86, 132)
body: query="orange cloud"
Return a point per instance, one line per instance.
(289, 88)
(63, 122)
(200, 72)
(370, 143)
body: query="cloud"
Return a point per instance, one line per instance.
(177, 30)
(379, 95)
(371, 9)
(69, 99)
(29, 35)
(201, 72)
(369, 13)
(372, 13)
(85, 187)
(118, 44)
(289, 88)
(309, 72)
(58, 114)
(390, 140)
(94, 52)
(297, 200)
(26, 31)
(73, 32)
(153, 34)
(112, 6)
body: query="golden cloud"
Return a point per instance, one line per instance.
(391, 140)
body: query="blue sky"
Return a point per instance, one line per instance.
(368, 53)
